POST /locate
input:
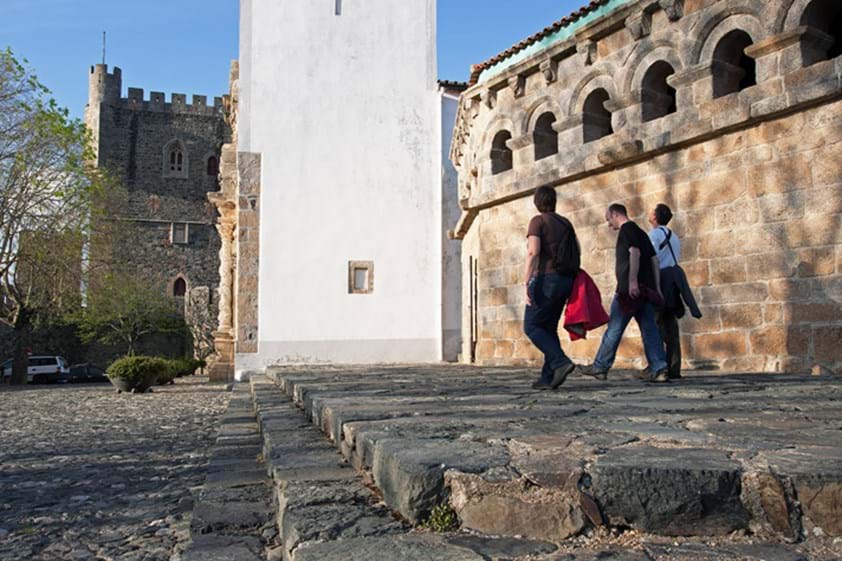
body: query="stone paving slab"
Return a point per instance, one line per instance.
(232, 515)
(87, 474)
(711, 455)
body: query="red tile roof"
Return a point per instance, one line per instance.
(478, 69)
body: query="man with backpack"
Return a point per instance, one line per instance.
(638, 294)
(674, 283)
(553, 258)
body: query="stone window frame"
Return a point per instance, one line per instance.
(169, 149)
(186, 237)
(500, 153)
(173, 282)
(548, 146)
(653, 101)
(796, 16)
(207, 159)
(353, 267)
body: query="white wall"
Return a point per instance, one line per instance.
(451, 249)
(345, 111)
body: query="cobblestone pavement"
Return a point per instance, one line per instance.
(87, 474)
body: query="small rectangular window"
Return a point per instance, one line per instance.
(360, 277)
(338, 7)
(180, 234)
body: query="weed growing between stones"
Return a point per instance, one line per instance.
(442, 519)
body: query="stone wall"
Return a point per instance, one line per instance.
(754, 177)
(131, 137)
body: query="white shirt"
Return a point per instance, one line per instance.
(657, 237)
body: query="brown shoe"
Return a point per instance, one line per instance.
(561, 374)
(594, 372)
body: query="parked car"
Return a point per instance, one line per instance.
(40, 370)
(86, 374)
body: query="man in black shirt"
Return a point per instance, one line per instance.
(638, 291)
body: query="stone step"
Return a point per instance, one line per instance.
(704, 457)
(232, 513)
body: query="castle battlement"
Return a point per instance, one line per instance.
(157, 101)
(106, 87)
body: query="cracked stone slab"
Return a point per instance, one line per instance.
(672, 492)
(404, 548)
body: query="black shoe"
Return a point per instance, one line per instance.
(594, 372)
(560, 375)
(675, 376)
(644, 375)
(661, 376)
(541, 386)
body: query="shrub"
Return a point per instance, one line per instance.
(138, 370)
(186, 366)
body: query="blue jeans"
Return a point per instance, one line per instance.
(549, 294)
(617, 323)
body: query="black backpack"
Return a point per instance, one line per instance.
(568, 256)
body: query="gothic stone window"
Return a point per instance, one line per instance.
(176, 162)
(179, 288)
(213, 166)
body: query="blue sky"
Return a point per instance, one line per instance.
(186, 45)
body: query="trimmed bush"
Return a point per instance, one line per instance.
(138, 372)
(186, 366)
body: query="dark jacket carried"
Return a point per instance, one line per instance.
(677, 293)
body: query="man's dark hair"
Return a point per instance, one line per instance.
(618, 209)
(663, 214)
(545, 199)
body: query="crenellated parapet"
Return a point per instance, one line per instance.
(177, 103)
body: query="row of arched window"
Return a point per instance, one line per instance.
(176, 161)
(734, 71)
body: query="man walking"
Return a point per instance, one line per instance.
(674, 285)
(548, 283)
(638, 291)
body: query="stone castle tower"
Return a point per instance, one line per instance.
(166, 155)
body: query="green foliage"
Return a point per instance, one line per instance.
(442, 519)
(139, 370)
(186, 366)
(46, 191)
(122, 309)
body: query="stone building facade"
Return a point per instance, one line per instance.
(730, 111)
(166, 154)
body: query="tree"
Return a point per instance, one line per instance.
(123, 309)
(46, 189)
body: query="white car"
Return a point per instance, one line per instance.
(41, 369)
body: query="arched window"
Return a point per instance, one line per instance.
(545, 137)
(658, 96)
(825, 16)
(179, 288)
(176, 159)
(596, 119)
(733, 69)
(501, 154)
(176, 163)
(213, 166)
